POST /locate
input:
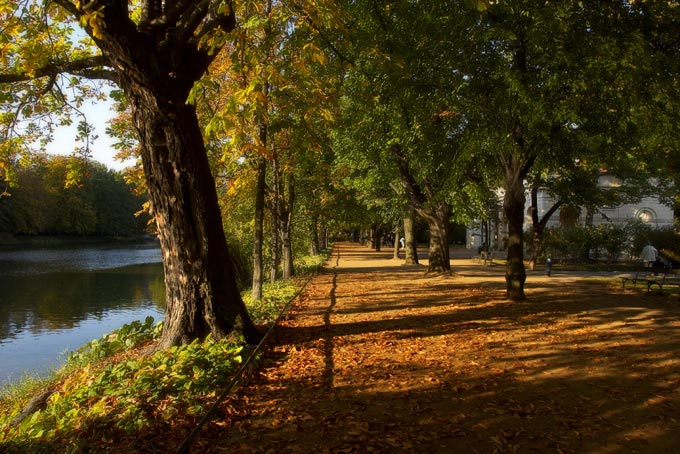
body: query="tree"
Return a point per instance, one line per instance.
(410, 246)
(403, 111)
(40, 204)
(539, 78)
(155, 52)
(273, 121)
(576, 186)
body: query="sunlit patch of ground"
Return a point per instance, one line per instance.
(377, 357)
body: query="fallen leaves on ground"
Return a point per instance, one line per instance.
(380, 358)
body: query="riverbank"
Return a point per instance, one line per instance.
(10, 242)
(57, 297)
(112, 389)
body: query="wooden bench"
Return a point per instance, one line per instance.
(484, 257)
(661, 281)
(634, 278)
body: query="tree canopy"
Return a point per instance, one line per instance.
(101, 205)
(287, 117)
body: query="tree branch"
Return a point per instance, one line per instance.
(151, 10)
(173, 13)
(88, 67)
(68, 6)
(187, 27)
(98, 74)
(214, 20)
(413, 190)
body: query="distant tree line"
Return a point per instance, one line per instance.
(100, 203)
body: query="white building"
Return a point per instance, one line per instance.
(649, 210)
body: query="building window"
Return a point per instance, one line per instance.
(646, 215)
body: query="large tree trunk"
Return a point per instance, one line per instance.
(276, 240)
(513, 206)
(276, 250)
(285, 226)
(376, 237)
(438, 223)
(202, 296)
(314, 236)
(324, 237)
(286, 251)
(258, 228)
(156, 67)
(410, 244)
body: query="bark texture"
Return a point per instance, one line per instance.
(157, 66)
(438, 225)
(410, 245)
(258, 229)
(285, 218)
(513, 206)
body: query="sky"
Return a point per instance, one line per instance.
(102, 149)
(98, 113)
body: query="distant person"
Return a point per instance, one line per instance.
(649, 255)
(402, 242)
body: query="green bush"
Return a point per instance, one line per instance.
(609, 242)
(125, 394)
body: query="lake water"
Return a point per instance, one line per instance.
(55, 300)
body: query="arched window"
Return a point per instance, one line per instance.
(646, 215)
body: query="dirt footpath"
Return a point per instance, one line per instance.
(377, 357)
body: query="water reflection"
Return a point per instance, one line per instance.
(52, 301)
(38, 261)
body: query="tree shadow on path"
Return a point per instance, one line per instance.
(393, 361)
